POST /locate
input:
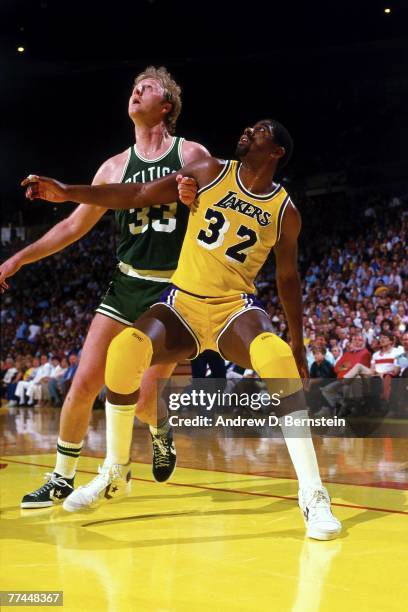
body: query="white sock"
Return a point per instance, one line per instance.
(301, 451)
(67, 457)
(162, 427)
(119, 430)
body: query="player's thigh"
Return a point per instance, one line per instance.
(91, 368)
(234, 343)
(170, 338)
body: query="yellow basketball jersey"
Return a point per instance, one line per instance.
(229, 237)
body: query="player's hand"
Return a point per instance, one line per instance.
(44, 188)
(8, 268)
(187, 188)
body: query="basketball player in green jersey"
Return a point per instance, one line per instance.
(148, 252)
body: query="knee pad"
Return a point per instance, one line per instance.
(129, 355)
(271, 357)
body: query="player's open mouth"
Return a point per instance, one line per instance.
(244, 139)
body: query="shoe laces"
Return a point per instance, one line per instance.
(52, 480)
(106, 475)
(161, 451)
(319, 498)
(319, 503)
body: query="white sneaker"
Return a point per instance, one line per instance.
(112, 482)
(319, 520)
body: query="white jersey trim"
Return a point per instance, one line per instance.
(231, 320)
(125, 166)
(129, 271)
(180, 152)
(156, 159)
(110, 315)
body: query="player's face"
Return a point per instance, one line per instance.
(147, 100)
(258, 138)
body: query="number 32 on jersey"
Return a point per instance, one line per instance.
(214, 235)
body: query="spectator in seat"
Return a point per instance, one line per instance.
(32, 366)
(8, 372)
(58, 387)
(58, 369)
(402, 360)
(33, 387)
(321, 367)
(357, 354)
(11, 388)
(383, 364)
(337, 354)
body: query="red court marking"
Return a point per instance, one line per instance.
(380, 484)
(252, 493)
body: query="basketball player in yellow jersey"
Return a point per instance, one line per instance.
(242, 215)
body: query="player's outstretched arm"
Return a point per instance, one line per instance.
(288, 283)
(124, 195)
(64, 233)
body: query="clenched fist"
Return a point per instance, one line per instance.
(187, 188)
(44, 188)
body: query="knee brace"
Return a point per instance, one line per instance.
(271, 357)
(129, 355)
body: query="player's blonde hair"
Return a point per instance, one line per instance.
(172, 92)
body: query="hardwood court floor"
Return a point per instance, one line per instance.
(225, 534)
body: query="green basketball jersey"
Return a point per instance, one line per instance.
(151, 238)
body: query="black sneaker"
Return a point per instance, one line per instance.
(56, 489)
(164, 456)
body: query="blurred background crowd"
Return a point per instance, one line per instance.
(355, 291)
(340, 89)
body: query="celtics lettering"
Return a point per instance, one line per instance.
(149, 174)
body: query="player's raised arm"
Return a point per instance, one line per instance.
(64, 233)
(288, 283)
(124, 195)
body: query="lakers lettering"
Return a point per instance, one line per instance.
(245, 208)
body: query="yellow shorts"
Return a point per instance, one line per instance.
(207, 318)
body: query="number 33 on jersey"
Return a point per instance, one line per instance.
(230, 236)
(151, 238)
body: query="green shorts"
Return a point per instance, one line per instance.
(128, 297)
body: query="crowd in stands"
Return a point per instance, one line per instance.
(45, 317)
(355, 291)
